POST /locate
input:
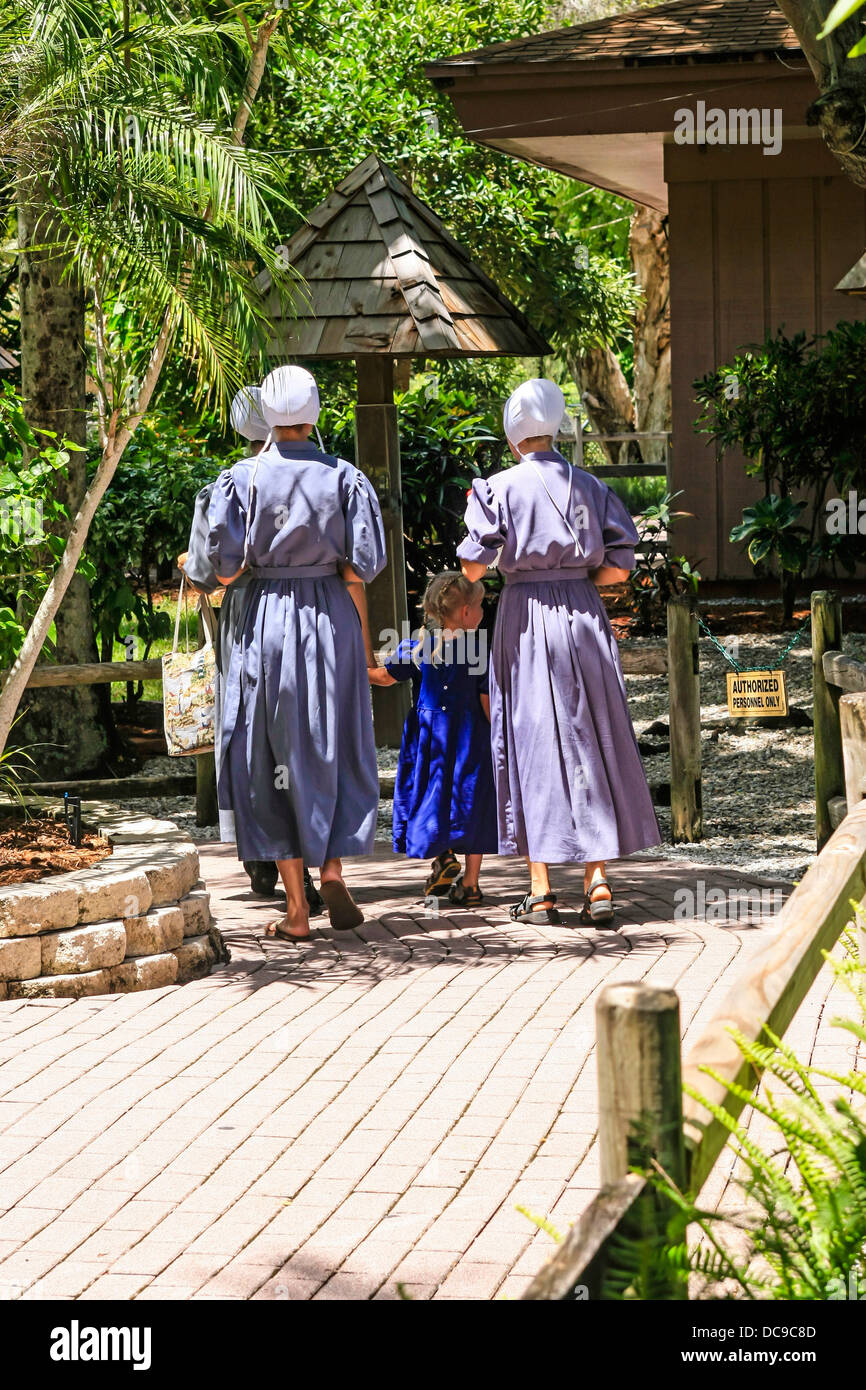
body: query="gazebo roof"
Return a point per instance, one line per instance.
(385, 277)
(854, 282)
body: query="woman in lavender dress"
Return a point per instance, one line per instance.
(298, 765)
(250, 423)
(569, 779)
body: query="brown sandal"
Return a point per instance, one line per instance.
(278, 928)
(343, 911)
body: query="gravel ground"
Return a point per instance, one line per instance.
(758, 795)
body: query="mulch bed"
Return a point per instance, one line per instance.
(32, 849)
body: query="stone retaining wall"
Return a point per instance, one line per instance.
(139, 919)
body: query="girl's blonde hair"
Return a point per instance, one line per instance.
(446, 592)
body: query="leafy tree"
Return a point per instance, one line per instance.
(833, 42)
(131, 172)
(354, 84)
(29, 509)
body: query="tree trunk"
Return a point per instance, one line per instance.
(648, 247)
(53, 385)
(117, 437)
(605, 394)
(611, 407)
(840, 110)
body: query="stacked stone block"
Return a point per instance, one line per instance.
(139, 919)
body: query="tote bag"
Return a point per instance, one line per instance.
(189, 692)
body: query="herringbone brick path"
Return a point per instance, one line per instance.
(337, 1119)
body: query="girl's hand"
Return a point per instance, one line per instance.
(485, 705)
(379, 676)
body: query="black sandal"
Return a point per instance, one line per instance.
(315, 901)
(524, 910)
(464, 895)
(592, 914)
(445, 869)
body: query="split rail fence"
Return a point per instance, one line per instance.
(643, 1115)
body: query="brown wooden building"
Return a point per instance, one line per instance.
(757, 240)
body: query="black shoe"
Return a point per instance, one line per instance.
(315, 901)
(263, 877)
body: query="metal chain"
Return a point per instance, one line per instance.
(795, 639)
(716, 643)
(736, 665)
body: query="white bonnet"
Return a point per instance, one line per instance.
(536, 407)
(290, 396)
(247, 417)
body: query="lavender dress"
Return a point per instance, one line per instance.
(298, 759)
(570, 784)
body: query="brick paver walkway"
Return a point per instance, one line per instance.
(333, 1120)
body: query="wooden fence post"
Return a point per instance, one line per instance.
(206, 808)
(684, 685)
(640, 1103)
(829, 772)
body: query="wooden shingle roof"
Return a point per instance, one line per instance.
(685, 31)
(384, 276)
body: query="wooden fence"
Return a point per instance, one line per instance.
(839, 690)
(642, 1113)
(678, 657)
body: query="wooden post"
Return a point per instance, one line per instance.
(638, 1060)
(684, 686)
(640, 1104)
(377, 444)
(829, 772)
(206, 808)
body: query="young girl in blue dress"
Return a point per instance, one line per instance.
(444, 798)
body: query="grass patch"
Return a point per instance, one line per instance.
(165, 603)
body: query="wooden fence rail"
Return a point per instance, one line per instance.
(839, 704)
(677, 658)
(639, 1083)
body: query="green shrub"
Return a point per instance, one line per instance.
(29, 514)
(144, 520)
(445, 442)
(794, 406)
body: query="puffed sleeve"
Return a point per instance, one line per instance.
(400, 665)
(484, 522)
(198, 568)
(227, 521)
(365, 533)
(620, 533)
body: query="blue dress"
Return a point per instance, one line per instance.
(444, 797)
(298, 758)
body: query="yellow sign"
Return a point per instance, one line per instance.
(756, 694)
